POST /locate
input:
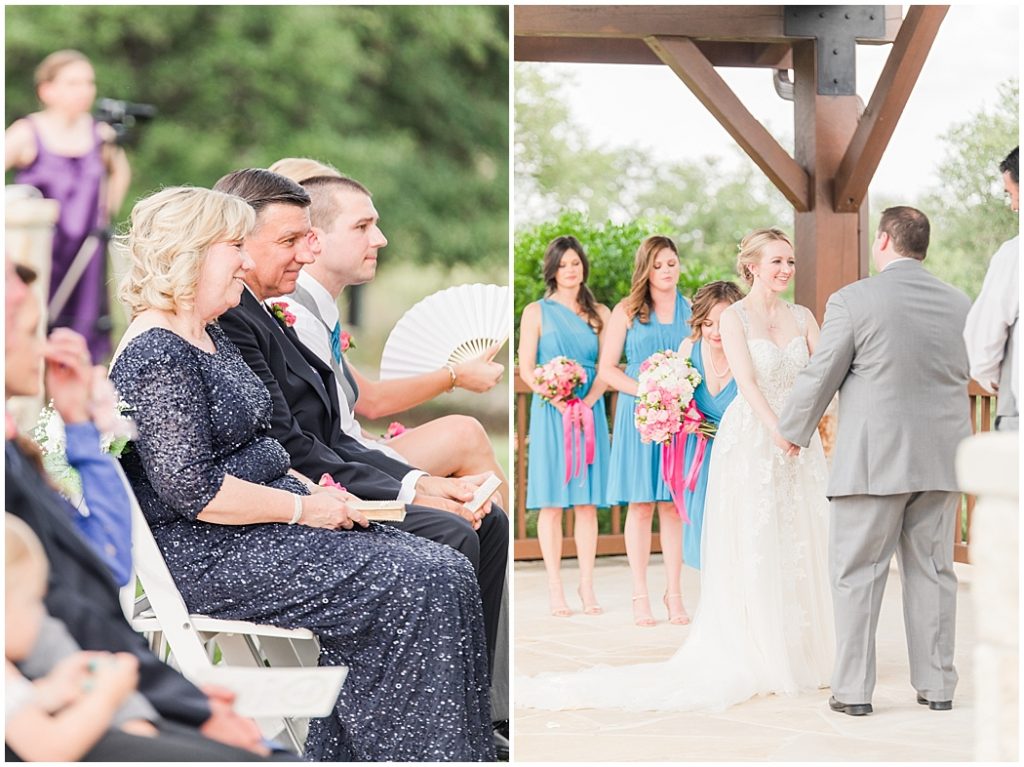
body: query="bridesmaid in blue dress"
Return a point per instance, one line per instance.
(650, 319)
(716, 390)
(567, 321)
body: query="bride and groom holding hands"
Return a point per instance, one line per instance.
(791, 585)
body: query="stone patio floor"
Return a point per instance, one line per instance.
(763, 729)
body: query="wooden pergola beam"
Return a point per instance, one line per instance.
(749, 23)
(888, 100)
(685, 59)
(610, 50)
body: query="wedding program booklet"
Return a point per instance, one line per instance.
(380, 511)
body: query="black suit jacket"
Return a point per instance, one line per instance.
(82, 593)
(305, 416)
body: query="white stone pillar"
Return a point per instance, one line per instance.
(987, 466)
(28, 240)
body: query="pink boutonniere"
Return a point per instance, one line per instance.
(394, 429)
(326, 480)
(280, 310)
(346, 341)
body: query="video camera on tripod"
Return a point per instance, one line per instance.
(123, 116)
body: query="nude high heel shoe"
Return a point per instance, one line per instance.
(679, 616)
(642, 618)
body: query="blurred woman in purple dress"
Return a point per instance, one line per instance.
(70, 157)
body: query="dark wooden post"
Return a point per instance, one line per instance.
(832, 249)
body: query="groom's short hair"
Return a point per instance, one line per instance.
(1011, 165)
(909, 230)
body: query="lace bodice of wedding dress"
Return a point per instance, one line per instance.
(764, 622)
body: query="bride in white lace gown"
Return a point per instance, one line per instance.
(764, 622)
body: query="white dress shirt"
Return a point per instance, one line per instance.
(317, 339)
(992, 315)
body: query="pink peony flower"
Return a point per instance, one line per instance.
(347, 341)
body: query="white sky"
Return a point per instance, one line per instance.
(977, 47)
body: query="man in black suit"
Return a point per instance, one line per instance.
(305, 416)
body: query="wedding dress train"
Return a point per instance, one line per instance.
(764, 622)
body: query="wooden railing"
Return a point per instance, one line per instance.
(612, 541)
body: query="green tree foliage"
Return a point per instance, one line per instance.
(564, 185)
(411, 100)
(969, 213)
(555, 165)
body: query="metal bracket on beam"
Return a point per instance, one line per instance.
(836, 29)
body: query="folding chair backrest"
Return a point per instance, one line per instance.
(163, 595)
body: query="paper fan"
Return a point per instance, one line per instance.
(452, 325)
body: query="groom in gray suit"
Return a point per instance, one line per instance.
(892, 346)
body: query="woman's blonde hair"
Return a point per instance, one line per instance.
(49, 67)
(300, 169)
(751, 247)
(23, 554)
(169, 234)
(639, 302)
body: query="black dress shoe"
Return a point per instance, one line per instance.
(850, 709)
(935, 705)
(500, 745)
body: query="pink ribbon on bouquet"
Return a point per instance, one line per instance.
(692, 419)
(672, 453)
(578, 434)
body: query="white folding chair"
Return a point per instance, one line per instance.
(273, 671)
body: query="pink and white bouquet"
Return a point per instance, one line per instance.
(559, 378)
(667, 381)
(665, 412)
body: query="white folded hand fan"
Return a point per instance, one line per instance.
(450, 326)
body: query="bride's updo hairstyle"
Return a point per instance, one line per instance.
(553, 259)
(707, 298)
(168, 236)
(638, 303)
(751, 247)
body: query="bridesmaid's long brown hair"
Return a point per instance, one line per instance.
(584, 297)
(639, 303)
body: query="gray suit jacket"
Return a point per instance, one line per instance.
(892, 346)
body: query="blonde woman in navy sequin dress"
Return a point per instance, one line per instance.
(245, 537)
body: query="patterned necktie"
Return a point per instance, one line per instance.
(336, 342)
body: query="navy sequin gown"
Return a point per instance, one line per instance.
(403, 613)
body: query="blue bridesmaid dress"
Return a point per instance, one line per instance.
(712, 407)
(634, 469)
(563, 332)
